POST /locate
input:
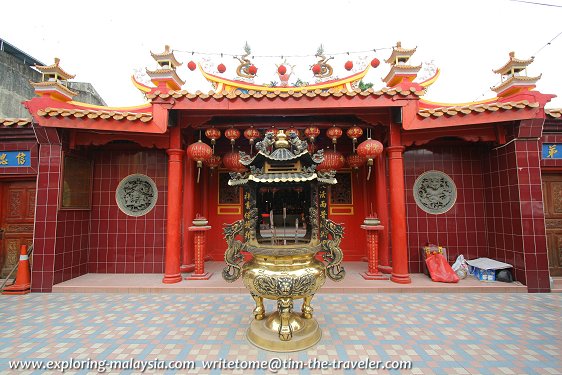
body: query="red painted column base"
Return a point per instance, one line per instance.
(172, 279)
(373, 249)
(199, 246)
(401, 279)
(187, 268)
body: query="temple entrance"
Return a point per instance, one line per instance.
(284, 213)
(17, 210)
(552, 197)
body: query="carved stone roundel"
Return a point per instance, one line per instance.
(136, 195)
(435, 192)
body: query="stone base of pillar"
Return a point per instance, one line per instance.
(401, 279)
(172, 279)
(374, 276)
(204, 276)
(385, 269)
(364, 259)
(187, 268)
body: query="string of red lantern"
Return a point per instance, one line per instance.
(312, 132)
(213, 162)
(231, 161)
(333, 161)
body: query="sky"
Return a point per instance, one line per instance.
(106, 42)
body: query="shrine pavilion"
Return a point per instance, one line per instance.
(114, 190)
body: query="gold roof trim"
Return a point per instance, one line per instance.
(19, 122)
(54, 68)
(479, 108)
(95, 114)
(251, 94)
(165, 73)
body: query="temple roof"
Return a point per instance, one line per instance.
(391, 92)
(554, 112)
(54, 68)
(15, 122)
(479, 108)
(516, 81)
(95, 114)
(511, 63)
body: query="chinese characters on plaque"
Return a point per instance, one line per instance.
(15, 159)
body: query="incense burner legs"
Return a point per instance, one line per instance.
(284, 279)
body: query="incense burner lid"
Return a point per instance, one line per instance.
(283, 250)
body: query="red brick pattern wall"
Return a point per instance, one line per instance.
(119, 243)
(462, 230)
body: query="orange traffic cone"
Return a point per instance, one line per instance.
(22, 285)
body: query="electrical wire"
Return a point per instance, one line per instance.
(222, 54)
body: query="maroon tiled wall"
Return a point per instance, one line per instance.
(119, 243)
(45, 232)
(503, 209)
(462, 230)
(515, 211)
(71, 258)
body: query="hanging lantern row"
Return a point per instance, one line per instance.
(282, 69)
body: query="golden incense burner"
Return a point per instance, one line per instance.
(283, 186)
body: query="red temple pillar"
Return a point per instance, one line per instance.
(398, 216)
(173, 226)
(381, 199)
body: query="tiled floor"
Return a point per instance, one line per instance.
(352, 283)
(440, 333)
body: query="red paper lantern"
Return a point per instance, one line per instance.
(282, 69)
(334, 133)
(191, 65)
(312, 132)
(251, 134)
(370, 149)
(354, 133)
(252, 70)
(213, 162)
(231, 161)
(375, 62)
(233, 135)
(355, 161)
(199, 152)
(348, 65)
(316, 68)
(221, 68)
(333, 161)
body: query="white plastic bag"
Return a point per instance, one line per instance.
(460, 267)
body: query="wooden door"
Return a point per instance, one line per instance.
(17, 210)
(552, 192)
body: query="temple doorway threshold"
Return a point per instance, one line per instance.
(352, 284)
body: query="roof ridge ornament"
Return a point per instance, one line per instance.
(54, 82)
(514, 77)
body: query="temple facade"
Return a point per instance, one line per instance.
(100, 189)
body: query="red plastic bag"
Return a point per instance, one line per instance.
(440, 270)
